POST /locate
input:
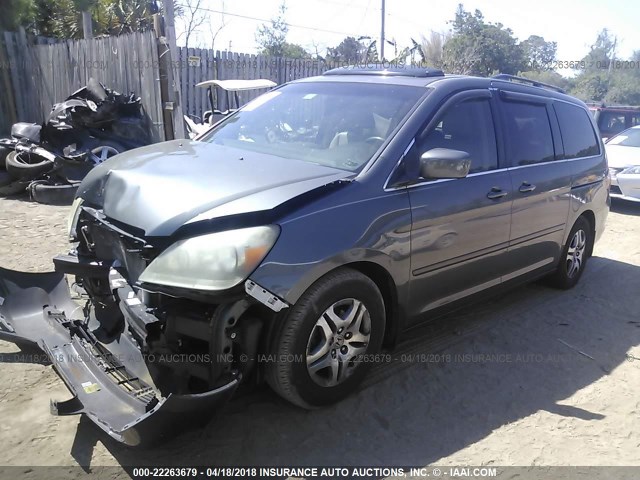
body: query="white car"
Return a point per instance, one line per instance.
(623, 152)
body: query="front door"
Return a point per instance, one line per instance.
(460, 227)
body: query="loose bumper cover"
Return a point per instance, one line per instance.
(110, 382)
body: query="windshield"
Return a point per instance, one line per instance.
(335, 124)
(628, 138)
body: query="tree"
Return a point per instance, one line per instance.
(193, 18)
(594, 80)
(349, 51)
(273, 38)
(539, 54)
(125, 16)
(15, 13)
(480, 48)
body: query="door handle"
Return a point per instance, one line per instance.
(496, 193)
(526, 187)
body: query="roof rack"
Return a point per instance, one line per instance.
(391, 71)
(612, 107)
(527, 81)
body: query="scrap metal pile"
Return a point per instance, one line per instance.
(91, 125)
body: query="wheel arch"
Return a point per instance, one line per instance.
(590, 217)
(389, 291)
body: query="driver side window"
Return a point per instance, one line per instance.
(466, 126)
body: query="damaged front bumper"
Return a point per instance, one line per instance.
(110, 381)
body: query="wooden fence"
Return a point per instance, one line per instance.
(37, 73)
(197, 65)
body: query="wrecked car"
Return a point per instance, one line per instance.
(94, 123)
(303, 233)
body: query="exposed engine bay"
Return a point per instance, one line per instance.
(156, 359)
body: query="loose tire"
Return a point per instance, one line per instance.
(574, 256)
(26, 166)
(53, 194)
(9, 186)
(4, 151)
(319, 347)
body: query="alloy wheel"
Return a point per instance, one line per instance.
(575, 253)
(103, 152)
(338, 339)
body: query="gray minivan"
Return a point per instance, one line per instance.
(304, 233)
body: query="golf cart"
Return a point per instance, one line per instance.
(214, 115)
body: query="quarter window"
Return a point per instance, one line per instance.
(578, 136)
(529, 139)
(467, 126)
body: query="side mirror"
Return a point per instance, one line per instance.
(444, 163)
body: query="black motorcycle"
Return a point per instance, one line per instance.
(90, 126)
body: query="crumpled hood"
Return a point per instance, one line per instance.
(621, 157)
(161, 187)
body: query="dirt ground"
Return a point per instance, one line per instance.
(503, 383)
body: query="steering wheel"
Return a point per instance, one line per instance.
(374, 139)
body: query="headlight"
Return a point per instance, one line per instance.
(632, 170)
(216, 261)
(72, 221)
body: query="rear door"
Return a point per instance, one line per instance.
(460, 227)
(541, 182)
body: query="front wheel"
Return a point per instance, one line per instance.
(574, 256)
(319, 351)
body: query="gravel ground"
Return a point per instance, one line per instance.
(536, 377)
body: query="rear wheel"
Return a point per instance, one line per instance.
(319, 349)
(574, 256)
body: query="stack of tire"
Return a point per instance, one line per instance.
(8, 184)
(22, 171)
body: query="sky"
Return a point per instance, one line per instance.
(318, 24)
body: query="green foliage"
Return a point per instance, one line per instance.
(591, 86)
(15, 13)
(606, 78)
(273, 38)
(481, 48)
(115, 17)
(349, 51)
(538, 53)
(63, 18)
(550, 77)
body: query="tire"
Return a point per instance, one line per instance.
(53, 194)
(5, 179)
(23, 166)
(302, 334)
(9, 186)
(575, 253)
(4, 151)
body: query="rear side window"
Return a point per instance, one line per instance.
(529, 139)
(635, 119)
(578, 136)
